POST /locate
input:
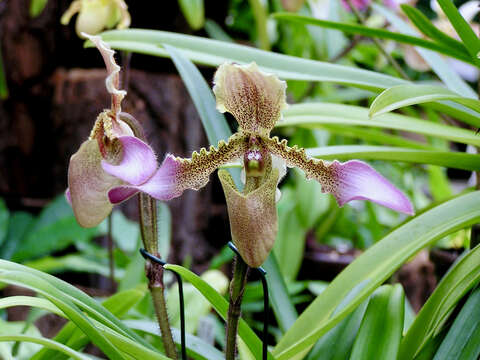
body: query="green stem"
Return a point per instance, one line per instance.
(377, 42)
(237, 288)
(154, 271)
(260, 15)
(111, 259)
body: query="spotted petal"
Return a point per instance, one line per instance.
(176, 174)
(353, 180)
(253, 97)
(138, 163)
(253, 217)
(88, 185)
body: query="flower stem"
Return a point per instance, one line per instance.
(377, 42)
(111, 259)
(237, 288)
(154, 271)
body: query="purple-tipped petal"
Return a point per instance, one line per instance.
(121, 193)
(165, 184)
(138, 162)
(356, 180)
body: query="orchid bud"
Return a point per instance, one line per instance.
(96, 15)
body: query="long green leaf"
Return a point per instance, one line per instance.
(314, 115)
(47, 343)
(214, 53)
(283, 308)
(377, 136)
(196, 347)
(35, 283)
(373, 267)
(445, 72)
(381, 329)
(221, 307)
(463, 339)
(92, 307)
(427, 28)
(73, 337)
(463, 29)
(405, 95)
(454, 160)
(460, 54)
(461, 278)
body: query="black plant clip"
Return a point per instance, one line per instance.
(266, 303)
(147, 256)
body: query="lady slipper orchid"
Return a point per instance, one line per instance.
(112, 156)
(96, 15)
(256, 100)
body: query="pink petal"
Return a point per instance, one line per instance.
(356, 180)
(138, 162)
(163, 185)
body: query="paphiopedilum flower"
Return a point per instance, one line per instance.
(95, 16)
(112, 156)
(256, 100)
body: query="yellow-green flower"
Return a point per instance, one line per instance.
(94, 16)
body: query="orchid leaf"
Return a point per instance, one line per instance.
(28, 280)
(427, 28)
(445, 72)
(79, 298)
(372, 268)
(463, 29)
(214, 52)
(456, 160)
(48, 343)
(220, 305)
(282, 305)
(381, 329)
(194, 12)
(460, 54)
(464, 274)
(405, 95)
(315, 115)
(463, 338)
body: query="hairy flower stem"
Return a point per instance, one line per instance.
(154, 271)
(390, 59)
(237, 288)
(111, 259)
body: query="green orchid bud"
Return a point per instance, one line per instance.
(95, 16)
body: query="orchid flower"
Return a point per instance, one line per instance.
(112, 156)
(256, 100)
(96, 15)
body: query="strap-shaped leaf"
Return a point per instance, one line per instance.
(404, 95)
(456, 160)
(427, 28)
(373, 267)
(458, 52)
(460, 278)
(463, 29)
